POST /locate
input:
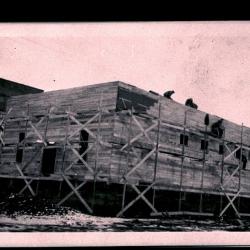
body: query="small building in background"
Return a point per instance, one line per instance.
(10, 88)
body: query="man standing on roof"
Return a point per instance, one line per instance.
(168, 94)
(190, 103)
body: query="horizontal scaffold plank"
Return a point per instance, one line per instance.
(181, 213)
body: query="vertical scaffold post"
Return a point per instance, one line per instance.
(182, 159)
(231, 197)
(2, 125)
(45, 139)
(157, 149)
(222, 167)
(127, 158)
(25, 131)
(3, 121)
(97, 149)
(240, 161)
(23, 144)
(65, 140)
(1, 144)
(64, 152)
(203, 169)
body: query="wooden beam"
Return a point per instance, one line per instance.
(145, 133)
(229, 155)
(240, 160)
(203, 170)
(157, 150)
(231, 176)
(27, 183)
(37, 133)
(139, 135)
(82, 126)
(2, 124)
(52, 178)
(135, 200)
(75, 161)
(244, 214)
(230, 203)
(157, 141)
(97, 149)
(77, 194)
(1, 138)
(228, 149)
(127, 159)
(25, 187)
(144, 198)
(181, 213)
(36, 125)
(65, 143)
(141, 162)
(70, 194)
(80, 158)
(182, 160)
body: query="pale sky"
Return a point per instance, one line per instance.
(208, 61)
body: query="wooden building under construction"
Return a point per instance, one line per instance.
(122, 151)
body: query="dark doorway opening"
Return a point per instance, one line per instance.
(21, 136)
(221, 149)
(19, 155)
(84, 137)
(204, 145)
(48, 161)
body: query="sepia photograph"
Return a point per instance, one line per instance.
(125, 127)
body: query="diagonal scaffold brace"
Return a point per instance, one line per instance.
(129, 146)
(83, 126)
(229, 178)
(141, 195)
(75, 191)
(230, 203)
(34, 128)
(28, 183)
(2, 126)
(80, 156)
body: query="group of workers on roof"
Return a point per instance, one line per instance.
(217, 128)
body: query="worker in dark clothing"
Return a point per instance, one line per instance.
(206, 120)
(217, 128)
(244, 162)
(189, 102)
(243, 158)
(168, 94)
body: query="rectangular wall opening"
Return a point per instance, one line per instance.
(221, 149)
(84, 137)
(48, 161)
(19, 155)
(21, 136)
(184, 139)
(204, 145)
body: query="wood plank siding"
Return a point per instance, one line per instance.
(122, 148)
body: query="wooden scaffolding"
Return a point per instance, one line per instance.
(228, 188)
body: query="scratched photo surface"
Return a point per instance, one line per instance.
(115, 129)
